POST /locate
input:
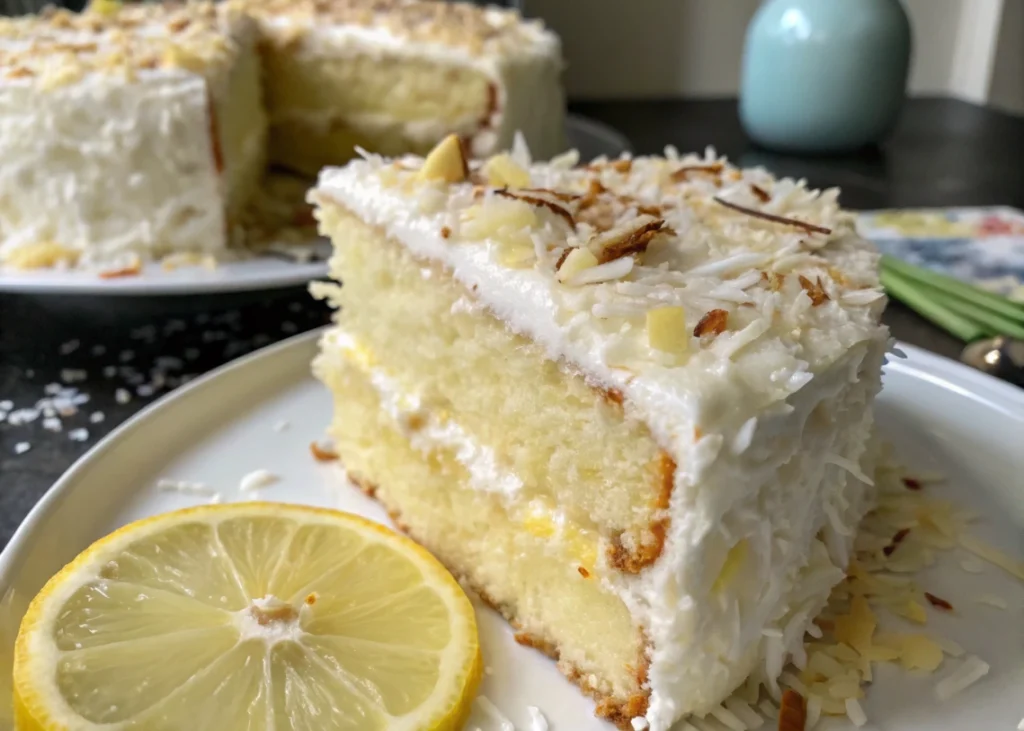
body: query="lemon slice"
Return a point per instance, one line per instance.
(255, 616)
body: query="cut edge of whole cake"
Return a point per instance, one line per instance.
(732, 315)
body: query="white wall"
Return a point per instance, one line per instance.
(666, 48)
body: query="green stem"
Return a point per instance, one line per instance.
(954, 287)
(952, 322)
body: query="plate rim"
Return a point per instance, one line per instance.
(292, 274)
(920, 363)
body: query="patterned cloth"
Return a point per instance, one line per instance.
(982, 246)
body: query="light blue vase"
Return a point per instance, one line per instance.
(824, 75)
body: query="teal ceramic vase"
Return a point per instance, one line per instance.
(824, 75)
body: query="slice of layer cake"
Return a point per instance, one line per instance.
(396, 76)
(126, 135)
(629, 403)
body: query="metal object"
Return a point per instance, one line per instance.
(1001, 357)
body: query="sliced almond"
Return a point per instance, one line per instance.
(446, 162)
(666, 329)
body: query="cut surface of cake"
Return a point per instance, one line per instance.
(396, 76)
(126, 135)
(629, 403)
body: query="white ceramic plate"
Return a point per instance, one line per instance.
(257, 273)
(940, 415)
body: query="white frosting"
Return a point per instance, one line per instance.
(526, 75)
(755, 418)
(112, 167)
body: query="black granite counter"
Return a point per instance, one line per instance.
(95, 362)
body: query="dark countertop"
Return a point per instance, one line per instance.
(942, 153)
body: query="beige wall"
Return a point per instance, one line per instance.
(664, 48)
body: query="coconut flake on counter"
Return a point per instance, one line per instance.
(257, 480)
(186, 487)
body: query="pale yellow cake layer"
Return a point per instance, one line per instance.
(324, 105)
(534, 580)
(569, 442)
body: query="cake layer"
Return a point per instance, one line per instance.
(111, 133)
(423, 469)
(732, 314)
(560, 439)
(397, 78)
(325, 106)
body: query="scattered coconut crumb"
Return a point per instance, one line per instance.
(257, 480)
(122, 396)
(970, 672)
(22, 447)
(78, 435)
(73, 375)
(992, 600)
(69, 347)
(184, 486)
(96, 417)
(538, 722)
(323, 452)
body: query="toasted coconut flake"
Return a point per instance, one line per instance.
(583, 572)
(630, 238)
(760, 193)
(897, 539)
(713, 323)
(684, 172)
(322, 453)
(793, 713)
(131, 270)
(541, 199)
(814, 290)
(806, 226)
(938, 602)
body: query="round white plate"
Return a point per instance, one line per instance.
(258, 273)
(263, 411)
